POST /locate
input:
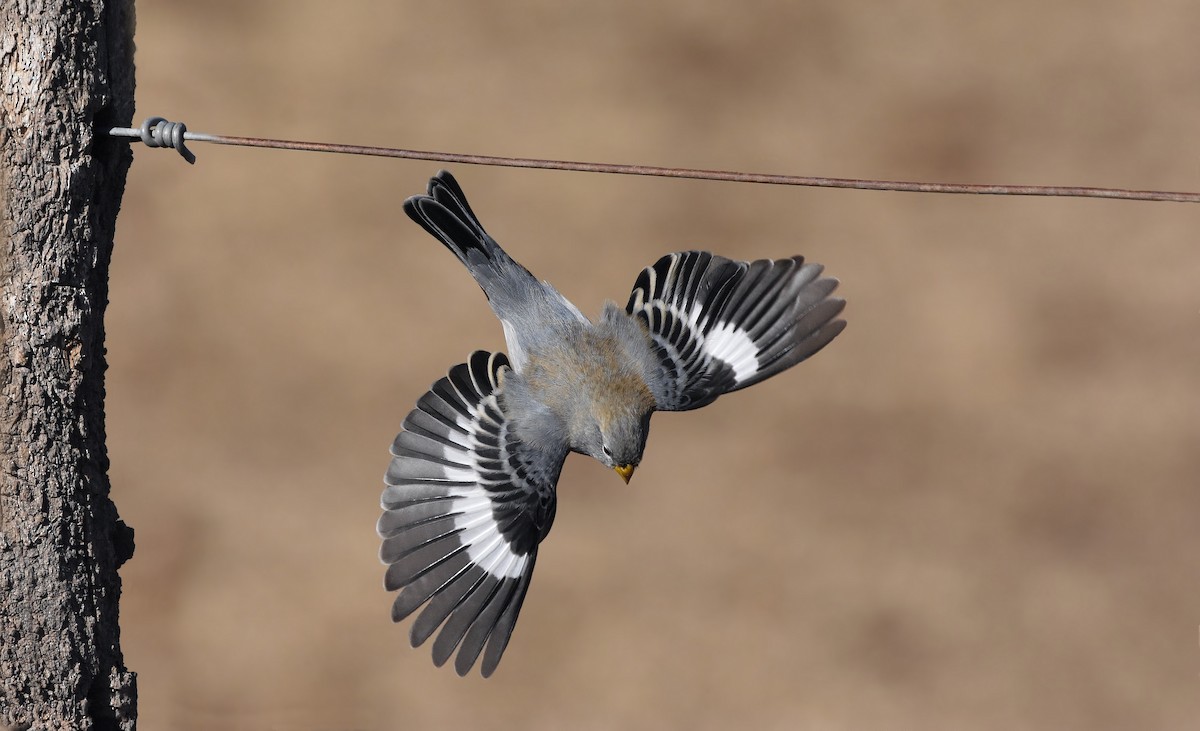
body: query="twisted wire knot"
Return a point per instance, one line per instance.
(158, 132)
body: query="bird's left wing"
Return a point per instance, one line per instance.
(719, 325)
(465, 507)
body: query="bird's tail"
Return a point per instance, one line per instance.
(445, 213)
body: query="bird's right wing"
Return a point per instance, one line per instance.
(465, 507)
(720, 325)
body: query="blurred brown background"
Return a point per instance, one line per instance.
(978, 508)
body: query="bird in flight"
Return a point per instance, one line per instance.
(470, 491)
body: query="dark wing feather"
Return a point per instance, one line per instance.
(465, 507)
(720, 325)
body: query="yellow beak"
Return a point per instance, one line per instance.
(625, 471)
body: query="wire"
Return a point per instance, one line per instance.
(158, 132)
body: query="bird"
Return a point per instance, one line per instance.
(470, 491)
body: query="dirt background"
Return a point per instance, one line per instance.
(977, 509)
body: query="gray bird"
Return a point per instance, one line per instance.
(471, 487)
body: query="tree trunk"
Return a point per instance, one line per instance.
(66, 72)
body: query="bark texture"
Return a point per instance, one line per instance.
(66, 71)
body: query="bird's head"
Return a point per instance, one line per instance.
(618, 436)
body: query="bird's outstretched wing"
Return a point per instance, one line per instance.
(465, 507)
(720, 325)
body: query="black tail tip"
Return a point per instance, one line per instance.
(443, 179)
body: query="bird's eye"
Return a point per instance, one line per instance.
(607, 452)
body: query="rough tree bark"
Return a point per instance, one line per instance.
(66, 71)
